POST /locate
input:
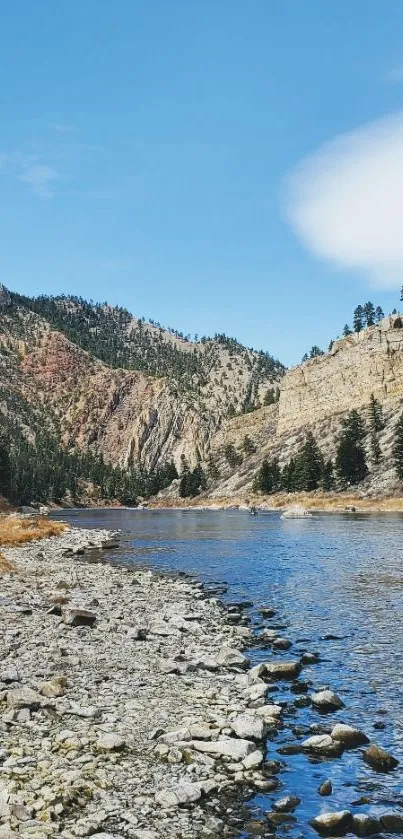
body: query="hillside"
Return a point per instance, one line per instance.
(86, 378)
(99, 380)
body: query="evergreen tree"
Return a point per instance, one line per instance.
(315, 351)
(379, 314)
(247, 445)
(308, 466)
(330, 347)
(327, 481)
(212, 469)
(288, 476)
(192, 483)
(376, 454)
(358, 319)
(350, 456)
(398, 448)
(401, 293)
(375, 414)
(346, 330)
(268, 478)
(369, 313)
(304, 358)
(231, 455)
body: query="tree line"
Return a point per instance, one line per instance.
(41, 470)
(309, 470)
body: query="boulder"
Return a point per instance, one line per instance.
(253, 760)
(24, 698)
(248, 727)
(378, 759)
(229, 747)
(392, 822)
(282, 644)
(281, 669)
(79, 617)
(333, 824)
(327, 701)
(54, 687)
(230, 657)
(348, 736)
(322, 744)
(109, 742)
(286, 804)
(365, 825)
(183, 793)
(325, 788)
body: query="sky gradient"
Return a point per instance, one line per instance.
(183, 159)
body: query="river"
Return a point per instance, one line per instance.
(339, 575)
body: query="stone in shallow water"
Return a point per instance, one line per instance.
(327, 701)
(322, 744)
(365, 825)
(392, 822)
(333, 824)
(325, 788)
(347, 735)
(281, 669)
(286, 804)
(378, 759)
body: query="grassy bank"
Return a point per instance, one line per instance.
(315, 501)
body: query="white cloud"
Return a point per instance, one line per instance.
(345, 201)
(40, 178)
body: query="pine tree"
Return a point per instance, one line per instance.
(327, 481)
(376, 454)
(5, 470)
(379, 314)
(315, 351)
(308, 465)
(350, 456)
(268, 478)
(346, 330)
(247, 445)
(288, 476)
(375, 414)
(401, 293)
(369, 313)
(398, 448)
(358, 319)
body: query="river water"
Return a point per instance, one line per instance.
(339, 575)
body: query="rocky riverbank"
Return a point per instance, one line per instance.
(126, 709)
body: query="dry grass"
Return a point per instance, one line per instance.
(319, 501)
(16, 530)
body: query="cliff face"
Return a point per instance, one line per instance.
(366, 362)
(315, 396)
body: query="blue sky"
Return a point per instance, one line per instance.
(148, 155)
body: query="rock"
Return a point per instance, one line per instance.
(281, 669)
(322, 744)
(333, 824)
(253, 760)
(248, 727)
(229, 657)
(183, 793)
(79, 617)
(54, 688)
(24, 698)
(286, 804)
(282, 644)
(229, 747)
(378, 759)
(325, 788)
(365, 825)
(392, 822)
(327, 701)
(267, 612)
(348, 736)
(309, 658)
(269, 713)
(110, 743)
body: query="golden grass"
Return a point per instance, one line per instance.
(319, 501)
(16, 530)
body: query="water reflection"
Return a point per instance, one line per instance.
(340, 575)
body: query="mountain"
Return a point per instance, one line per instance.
(126, 405)
(99, 380)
